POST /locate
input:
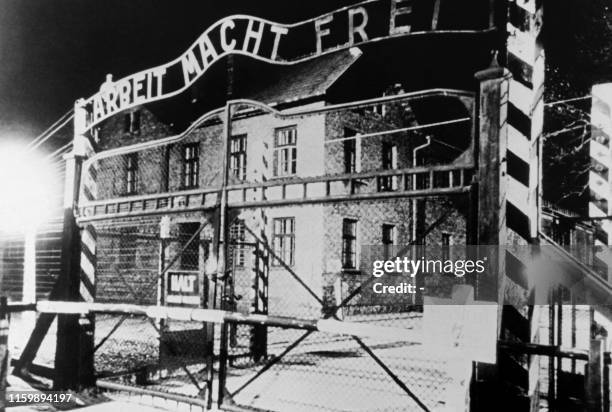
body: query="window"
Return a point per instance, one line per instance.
(284, 240)
(131, 122)
(388, 240)
(237, 161)
(190, 166)
(447, 241)
(190, 258)
(389, 162)
(352, 152)
(349, 244)
(285, 151)
(237, 248)
(131, 176)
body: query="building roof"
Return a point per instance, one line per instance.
(304, 80)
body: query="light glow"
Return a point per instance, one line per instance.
(28, 185)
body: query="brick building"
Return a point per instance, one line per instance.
(328, 244)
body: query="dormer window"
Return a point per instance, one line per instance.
(131, 122)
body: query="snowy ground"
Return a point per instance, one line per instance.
(324, 372)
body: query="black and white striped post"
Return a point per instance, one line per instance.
(77, 267)
(600, 178)
(511, 112)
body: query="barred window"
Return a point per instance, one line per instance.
(285, 151)
(238, 156)
(190, 166)
(349, 244)
(238, 251)
(131, 175)
(284, 240)
(388, 240)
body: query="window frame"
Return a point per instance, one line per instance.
(131, 174)
(352, 151)
(239, 170)
(391, 241)
(350, 239)
(190, 173)
(389, 160)
(238, 251)
(279, 242)
(287, 151)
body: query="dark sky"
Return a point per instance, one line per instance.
(55, 51)
(52, 52)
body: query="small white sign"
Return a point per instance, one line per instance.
(183, 288)
(461, 327)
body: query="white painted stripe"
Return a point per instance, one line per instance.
(522, 45)
(85, 294)
(537, 119)
(600, 153)
(519, 144)
(539, 71)
(521, 97)
(594, 211)
(599, 185)
(87, 268)
(527, 5)
(518, 195)
(89, 241)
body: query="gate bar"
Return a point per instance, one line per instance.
(221, 317)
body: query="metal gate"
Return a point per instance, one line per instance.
(153, 262)
(373, 175)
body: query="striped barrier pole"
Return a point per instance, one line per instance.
(600, 191)
(526, 63)
(511, 114)
(75, 245)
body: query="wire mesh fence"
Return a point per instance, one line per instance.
(314, 197)
(136, 265)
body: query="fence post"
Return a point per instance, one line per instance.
(86, 355)
(594, 391)
(221, 253)
(68, 341)
(4, 356)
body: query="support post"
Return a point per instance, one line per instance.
(29, 278)
(221, 252)
(69, 342)
(489, 199)
(594, 389)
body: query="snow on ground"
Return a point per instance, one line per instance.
(324, 372)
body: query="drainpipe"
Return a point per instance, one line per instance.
(414, 185)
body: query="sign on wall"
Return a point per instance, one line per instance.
(183, 288)
(365, 22)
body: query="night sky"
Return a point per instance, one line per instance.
(55, 51)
